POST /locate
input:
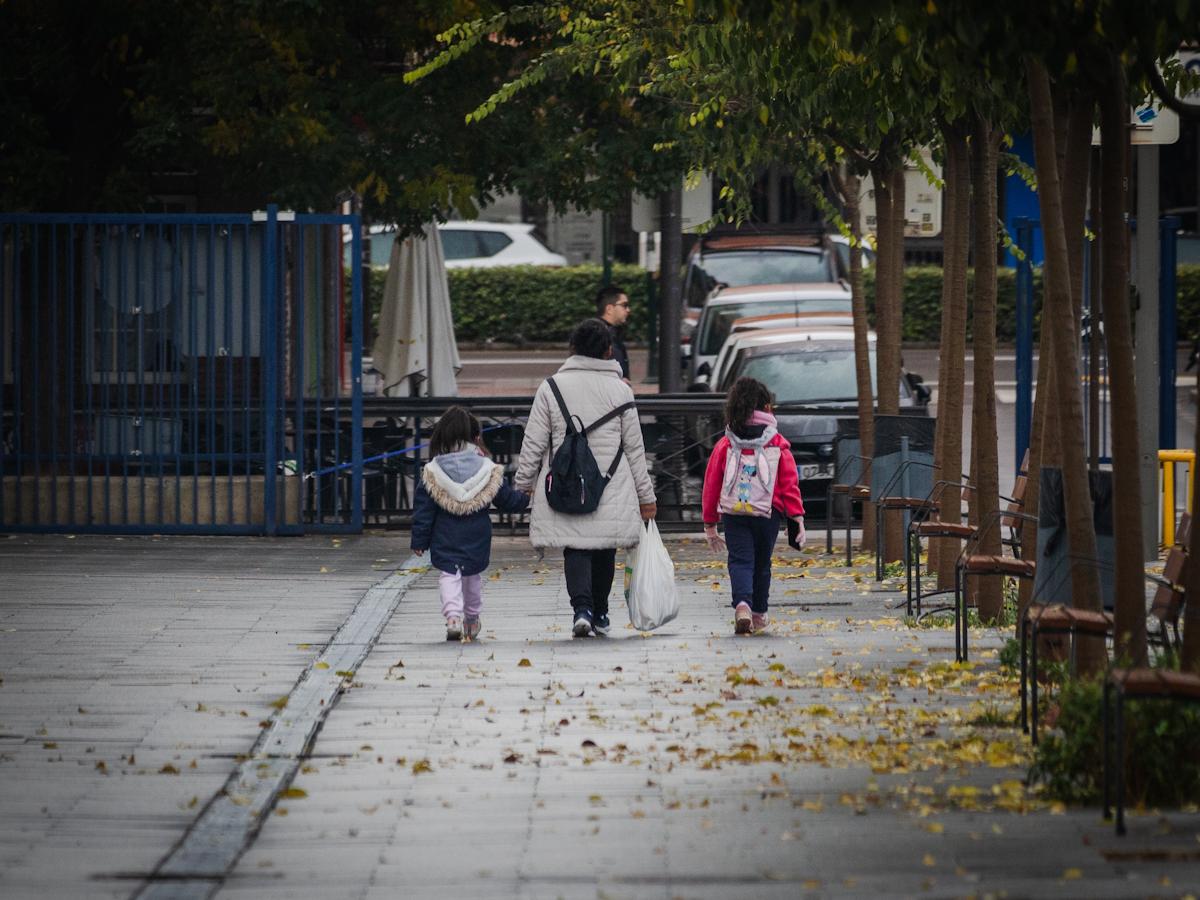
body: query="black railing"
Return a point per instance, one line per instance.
(679, 432)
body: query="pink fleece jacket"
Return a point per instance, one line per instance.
(786, 498)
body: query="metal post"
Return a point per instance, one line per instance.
(670, 207)
(1024, 412)
(269, 368)
(651, 328)
(606, 246)
(1168, 226)
(1146, 361)
(357, 315)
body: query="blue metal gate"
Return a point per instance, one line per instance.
(180, 373)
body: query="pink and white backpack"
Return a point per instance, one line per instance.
(748, 486)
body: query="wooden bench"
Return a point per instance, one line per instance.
(1058, 619)
(980, 565)
(924, 527)
(854, 493)
(1134, 684)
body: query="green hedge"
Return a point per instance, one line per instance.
(527, 304)
(923, 302)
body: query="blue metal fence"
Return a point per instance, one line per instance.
(179, 373)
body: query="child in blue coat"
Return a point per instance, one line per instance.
(452, 518)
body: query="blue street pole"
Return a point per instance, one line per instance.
(270, 369)
(1024, 228)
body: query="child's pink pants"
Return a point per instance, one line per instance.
(461, 594)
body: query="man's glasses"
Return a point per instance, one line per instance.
(623, 305)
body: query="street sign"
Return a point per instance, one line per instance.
(1152, 123)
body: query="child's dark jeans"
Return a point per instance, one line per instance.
(751, 541)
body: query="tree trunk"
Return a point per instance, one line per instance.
(1058, 316)
(1129, 632)
(1073, 160)
(889, 206)
(985, 147)
(944, 552)
(851, 185)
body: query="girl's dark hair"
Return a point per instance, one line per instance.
(746, 395)
(591, 337)
(456, 426)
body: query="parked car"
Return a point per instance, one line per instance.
(773, 255)
(814, 370)
(476, 245)
(754, 331)
(733, 303)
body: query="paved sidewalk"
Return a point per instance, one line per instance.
(835, 756)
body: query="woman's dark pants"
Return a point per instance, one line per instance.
(751, 541)
(589, 578)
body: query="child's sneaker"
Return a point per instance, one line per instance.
(470, 628)
(454, 629)
(759, 622)
(583, 623)
(601, 625)
(742, 619)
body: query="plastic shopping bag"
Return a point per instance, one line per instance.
(650, 590)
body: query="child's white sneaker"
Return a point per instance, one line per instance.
(759, 622)
(454, 629)
(470, 628)
(742, 619)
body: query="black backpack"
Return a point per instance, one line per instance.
(574, 483)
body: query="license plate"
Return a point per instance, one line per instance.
(816, 470)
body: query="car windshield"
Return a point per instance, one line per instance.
(741, 267)
(822, 374)
(719, 318)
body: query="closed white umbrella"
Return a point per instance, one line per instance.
(415, 348)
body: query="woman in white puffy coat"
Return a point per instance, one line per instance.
(591, 385)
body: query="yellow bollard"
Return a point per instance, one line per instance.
(1167, 460)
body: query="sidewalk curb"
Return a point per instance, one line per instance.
(210, 848)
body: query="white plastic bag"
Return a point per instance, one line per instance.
(650, 590)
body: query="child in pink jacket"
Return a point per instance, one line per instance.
(751, 486)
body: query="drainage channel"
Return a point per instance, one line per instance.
(197, 866)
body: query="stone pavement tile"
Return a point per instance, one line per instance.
(153, 648)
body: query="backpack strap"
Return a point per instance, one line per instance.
(562, 406)
(609, 416)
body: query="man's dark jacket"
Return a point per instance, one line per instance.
(619, 353)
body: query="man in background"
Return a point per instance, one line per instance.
(612, 308)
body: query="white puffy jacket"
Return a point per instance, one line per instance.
(590, 387)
